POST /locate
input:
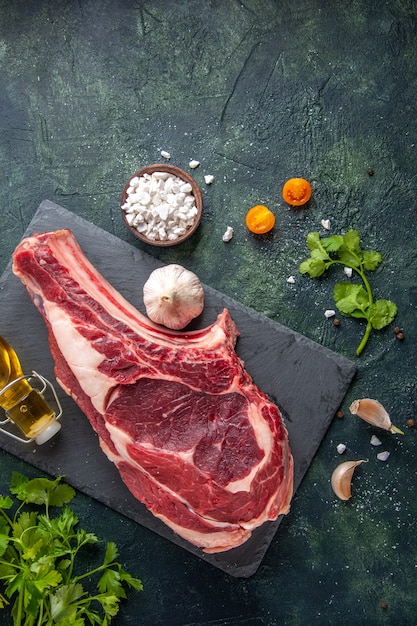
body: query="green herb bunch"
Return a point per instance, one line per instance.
(352, 299)
(39, 569)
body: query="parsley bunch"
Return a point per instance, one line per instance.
(39, 569)
(352, 299)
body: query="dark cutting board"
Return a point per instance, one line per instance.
(306, 380)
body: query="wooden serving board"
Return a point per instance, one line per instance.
(306, 380)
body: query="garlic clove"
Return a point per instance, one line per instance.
(173, 296)
(341, 480)
(374, 413)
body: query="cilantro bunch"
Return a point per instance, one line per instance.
(352, 299)
(39, 571)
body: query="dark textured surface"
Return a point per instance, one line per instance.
(258, 91)
(277, 358)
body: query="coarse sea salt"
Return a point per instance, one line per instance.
(228, 234)
(160, 206)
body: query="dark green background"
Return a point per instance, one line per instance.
(257, 91)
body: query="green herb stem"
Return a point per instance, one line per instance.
(77, 579)
(368, 329)
(9, 564)
(18, 619)
(6, 517)
(365, 338)
(365, 281)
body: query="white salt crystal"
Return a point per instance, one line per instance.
(375, 441)
(228, 234)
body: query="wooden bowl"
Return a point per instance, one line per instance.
(175, 171)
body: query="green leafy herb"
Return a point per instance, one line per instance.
(39, 570)
(352, 299)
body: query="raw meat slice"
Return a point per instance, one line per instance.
(191, 435)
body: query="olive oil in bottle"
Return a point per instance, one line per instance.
(24, 406)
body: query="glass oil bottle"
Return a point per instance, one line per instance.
(25, 405)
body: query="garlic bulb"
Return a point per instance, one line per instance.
(173, 296)
(342, 479)
(373, 412)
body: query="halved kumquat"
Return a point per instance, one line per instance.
(260, 220)
(296, 191)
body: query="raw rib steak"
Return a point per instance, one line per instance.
(191, 435)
